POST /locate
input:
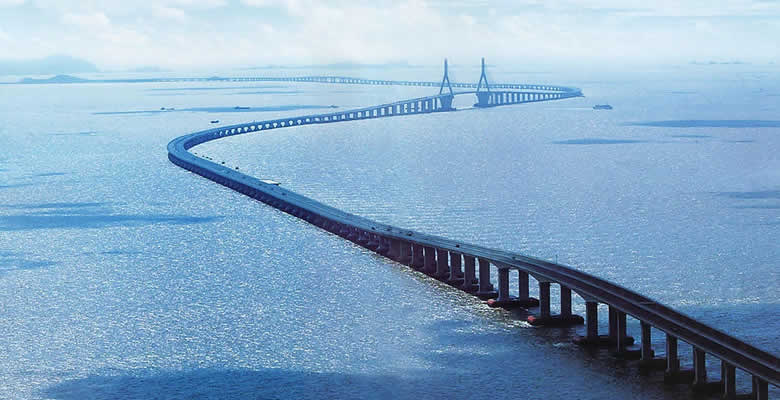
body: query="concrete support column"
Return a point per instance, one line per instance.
(456, 271)
(484, 276)
(544, 299)
(352, 235)
(503, 284)
(729, 378)
(565, 301)
(699, 368)
(373, 242)
(647, 347)
(468, 273)
(522, 285)
(672, 361)
(621, 331)
(760, 389)
(395, 249)
(405, 253)
(612, 325)
(592, 321)
(418, 259)
(363, 238)
(343, 231)
(430, 261)
(384, 245)
(442, 264)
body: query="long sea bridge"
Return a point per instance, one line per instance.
(468, 267)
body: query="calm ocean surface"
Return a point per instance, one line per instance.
(124, 276)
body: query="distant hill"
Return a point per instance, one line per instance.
(341, 65)
(55, 79)
(52, 65)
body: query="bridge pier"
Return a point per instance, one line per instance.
(442, 265)
(728, 376)
(469, 277)
(699, 370)
(565, 302)
(456, 272)
(760, 389)
(418, 258)
(565, 318)
(363, 238)
(483, 99)
(405, 253)
(430, 261)
(384, 245)
(673, 373)
(486, 290)
(522, 290)
(506, 301)
(647, 357)
(612, 325)
(394, 249)
(352, 236)
(591, 337)
(620, 333)
(503, 285)
(446, 102)
(544, 299)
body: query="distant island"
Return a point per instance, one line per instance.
(55, 79)
(340, 65)
(718, 63)
(51, 65)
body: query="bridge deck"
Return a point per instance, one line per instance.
(736, 352)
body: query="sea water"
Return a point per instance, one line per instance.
(124, 276)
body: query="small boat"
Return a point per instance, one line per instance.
(240, 108)
(602, 107)
(214, 121)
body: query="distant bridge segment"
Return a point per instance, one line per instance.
(468, 267)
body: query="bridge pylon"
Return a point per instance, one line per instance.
(483, 97)
(446, 99)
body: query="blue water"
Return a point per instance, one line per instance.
(123, 276)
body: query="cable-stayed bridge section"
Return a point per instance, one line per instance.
(468, 267)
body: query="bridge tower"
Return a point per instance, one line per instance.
(446, 99)
(483, 97)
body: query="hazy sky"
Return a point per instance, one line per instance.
(189, 33)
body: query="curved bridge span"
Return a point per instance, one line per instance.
(468, 266)
(345, 80)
